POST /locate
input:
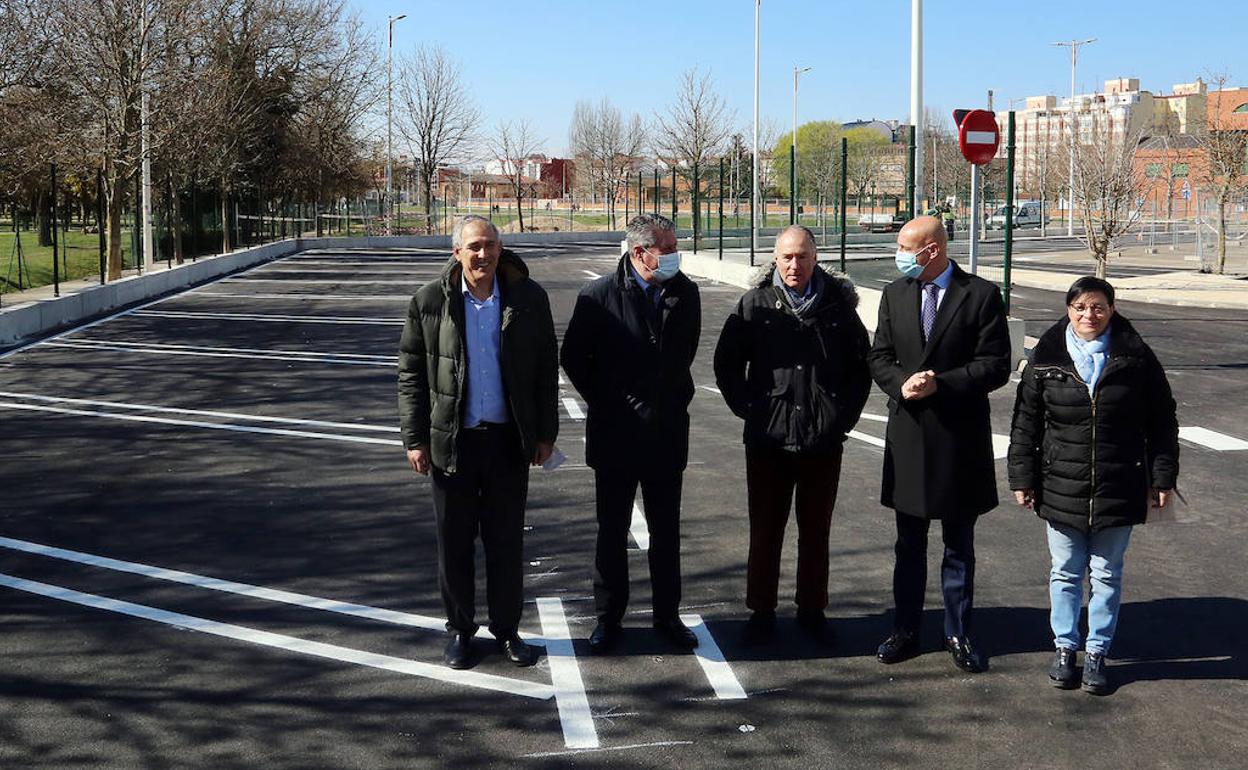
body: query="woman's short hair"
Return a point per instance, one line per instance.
(1090, 284)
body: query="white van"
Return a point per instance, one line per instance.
(1026, 214)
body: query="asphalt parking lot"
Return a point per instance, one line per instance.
(213, 554)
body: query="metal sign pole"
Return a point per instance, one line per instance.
(974, 232)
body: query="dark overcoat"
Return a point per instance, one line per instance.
(633, 371)
(938, 455)
(1090, 458)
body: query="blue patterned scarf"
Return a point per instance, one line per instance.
(1089, 355)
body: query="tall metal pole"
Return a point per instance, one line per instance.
(721, 208)
(1009, 211)
(754, 191)
(1073, 45)
(912, 176)
(390, 120)
(844, 196)
(793, 150)
(56, 265)
(145, 150)
(916, 93)
(973, 256)
(99, 216)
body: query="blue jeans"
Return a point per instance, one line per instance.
(1074, 554)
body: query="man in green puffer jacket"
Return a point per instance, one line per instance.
(478, 394)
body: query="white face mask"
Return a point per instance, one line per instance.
(669, 266)
(907, 263)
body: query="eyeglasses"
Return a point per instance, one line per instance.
(1093, 309)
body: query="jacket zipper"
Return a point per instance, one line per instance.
(1092, 491)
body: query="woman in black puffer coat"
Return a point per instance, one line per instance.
(1094, 442)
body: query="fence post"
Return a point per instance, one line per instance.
(844, 189)
(56, 267)
(721, 209)
(99, 217)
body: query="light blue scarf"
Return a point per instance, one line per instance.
(1089, 355)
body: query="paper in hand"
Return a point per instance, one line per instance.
(555, 460)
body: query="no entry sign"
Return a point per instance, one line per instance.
(978, 135)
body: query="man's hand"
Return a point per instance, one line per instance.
(919, 385)
(1160, 497)
(544, 450)
(418, 458)
(1025, 497)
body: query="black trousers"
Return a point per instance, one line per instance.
(485, 496)
(772, 477)
(661, 496)
(957, 573)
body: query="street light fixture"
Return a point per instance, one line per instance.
(390, 120)
(797, 71)
(1073, 45)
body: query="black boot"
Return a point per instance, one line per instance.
(1062, 672)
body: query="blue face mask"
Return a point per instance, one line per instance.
(669, 265)
(907, 263)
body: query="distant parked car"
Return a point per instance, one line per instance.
(881, 223)
(1026, 214)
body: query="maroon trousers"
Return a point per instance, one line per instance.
(772, 478)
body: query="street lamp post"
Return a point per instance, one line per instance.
(754, 192)
(793, 150)
(1073, 45)
(390, 119)
(916, 95)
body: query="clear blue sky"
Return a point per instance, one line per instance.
(534, 60)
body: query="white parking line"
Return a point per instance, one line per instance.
(574, 409)
(872, 440)
(711, 659)
(1212, 439)
(284, 642)
(310, 319)
(637, 527)
(565, 676)
(291, 295)
(278, 356)
(711, 388)
(344, 282)
(591, 274)
(199, 424)
(874, 417)
(268, 351)
(199, 412)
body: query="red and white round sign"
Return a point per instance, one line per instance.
(978, 135)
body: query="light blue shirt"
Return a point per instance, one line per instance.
(942, 281)
(645, 287)
(483, 329)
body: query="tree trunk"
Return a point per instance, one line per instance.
(176, 206)
(225, 222)
(43, 218)
(428, 191)
(113, 234)
(520, 205)
(1222, 232)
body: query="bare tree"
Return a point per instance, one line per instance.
(606, 147)
(438, 117)
(866, 152)
(511, 145)
(1224, 171)
(23, 41)
(1108, 188)
(693, 128)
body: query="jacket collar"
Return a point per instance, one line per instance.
(625, 282)
(839, 286)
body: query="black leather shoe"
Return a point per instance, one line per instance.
(1095, 680)
(815, 624)
(458, 652)
(517, 650)
(761, 627)
(965, 656)
(1062, 672)
(677, 633)
(901, 645)
(604, 637)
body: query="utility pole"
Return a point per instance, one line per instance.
(390, 121)
(793, 150)
(916, 95)
(1073, 45)
(754, 192)
(145, 149)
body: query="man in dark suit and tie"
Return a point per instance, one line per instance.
(941, 346)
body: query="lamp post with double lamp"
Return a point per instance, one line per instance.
(390, 119)
(1073, 45)
(797, 72)
(754, 192)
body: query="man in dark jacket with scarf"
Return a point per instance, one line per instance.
(478, 395)
(628, 350)
(791, 362)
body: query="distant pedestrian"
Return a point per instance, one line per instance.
(941, 346)
(478, 402)
(1093, 443)
(628, 350)
(792, 363)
